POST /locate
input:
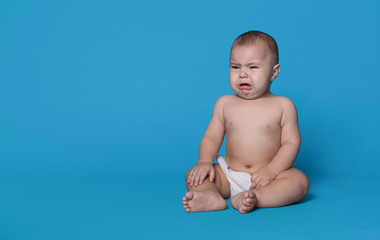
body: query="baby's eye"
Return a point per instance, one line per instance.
(235, 67)
(253, 67)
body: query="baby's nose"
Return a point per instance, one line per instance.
(242, 73)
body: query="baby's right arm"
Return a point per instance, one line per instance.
(210, 146)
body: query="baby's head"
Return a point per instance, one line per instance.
(254, 37)
(253, 64)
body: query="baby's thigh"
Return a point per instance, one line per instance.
(295, 177)
(221, 182)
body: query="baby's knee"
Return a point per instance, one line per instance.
(187, 174)
(298, 179)
(302, 182)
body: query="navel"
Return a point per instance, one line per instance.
(248, 166)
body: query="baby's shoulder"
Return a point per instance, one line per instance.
(283, 101)
(228, 97)
(285, 105)
(223, 100)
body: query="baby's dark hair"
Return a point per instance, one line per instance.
(251, 37)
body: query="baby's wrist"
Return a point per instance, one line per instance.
(204, 161)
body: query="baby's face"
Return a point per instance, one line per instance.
(252, 70)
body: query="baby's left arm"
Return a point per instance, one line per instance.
(290, 139)
(287, 153)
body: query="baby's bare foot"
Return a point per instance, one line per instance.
(203, 201)
(244, 202)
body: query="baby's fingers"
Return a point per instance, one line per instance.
(191, 178)
(202, 177)
(212, 174)
(264, 183)
(253, 177)
(255, 183)
(199, 178)
(194, 179)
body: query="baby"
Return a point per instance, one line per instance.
(262, 138)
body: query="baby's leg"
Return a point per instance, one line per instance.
(209, 196)
(289, 187)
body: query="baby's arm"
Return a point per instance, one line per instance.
(290, 143)
(209, 148)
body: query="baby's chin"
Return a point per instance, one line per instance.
(252, 95)
(248, 97)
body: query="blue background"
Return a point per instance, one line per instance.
(103, 105)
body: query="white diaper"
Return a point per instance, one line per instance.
(239, 181)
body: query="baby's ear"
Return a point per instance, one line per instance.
(276, 71)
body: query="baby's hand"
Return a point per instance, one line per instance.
(262, 177)
(200, 172)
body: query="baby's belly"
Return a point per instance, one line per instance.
(249, 154)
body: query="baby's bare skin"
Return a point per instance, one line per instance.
(262, 139)
(255, 129)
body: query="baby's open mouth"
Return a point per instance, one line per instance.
(245, 86)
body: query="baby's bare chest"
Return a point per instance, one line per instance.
(246, 119)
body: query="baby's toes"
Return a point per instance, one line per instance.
(249, 194)
(189, 196)
(244, 209)
(247, 204)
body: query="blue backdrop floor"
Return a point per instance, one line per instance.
(121, 207)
